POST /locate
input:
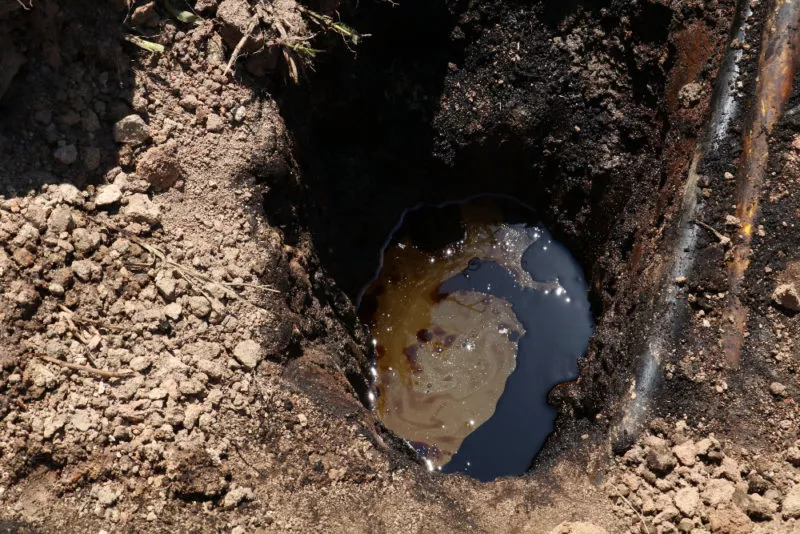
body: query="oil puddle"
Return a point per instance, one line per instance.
(475, 315)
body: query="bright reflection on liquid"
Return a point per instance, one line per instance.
(447, 328)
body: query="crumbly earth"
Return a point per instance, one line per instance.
(176, 354)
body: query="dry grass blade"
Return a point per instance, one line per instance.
(91, 322)
(238, 50)
(194, 278)
(645, 525)
(145, 45)
(85, 369)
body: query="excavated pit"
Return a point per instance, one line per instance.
(578, 110)
(466, 106)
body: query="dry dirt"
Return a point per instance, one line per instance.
(180, 247)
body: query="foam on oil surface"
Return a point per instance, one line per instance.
(474, 317)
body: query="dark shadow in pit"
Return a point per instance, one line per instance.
(431, 109)
(64, 81)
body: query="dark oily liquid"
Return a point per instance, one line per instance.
(475, 316)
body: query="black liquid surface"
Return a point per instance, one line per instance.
(557, 333)
(530, 298)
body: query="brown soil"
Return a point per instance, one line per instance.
(180, 248)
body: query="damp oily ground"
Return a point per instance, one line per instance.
(448, 314)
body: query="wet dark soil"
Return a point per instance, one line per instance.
(517, 99)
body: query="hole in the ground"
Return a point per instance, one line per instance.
(475, 315)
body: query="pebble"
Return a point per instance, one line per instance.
(70, 194)
(199, 306)
(85, 270)
(60, 220)
(248, 353)
(718, 492)
(157, 394)
(139, 363)
(159, 167)
(686, 453)
(131, 130)
(214, 370)
(66, 154)
(660, 462)
(81, 421)
(778, 389)
(85, 241)
(786, 296)
(23, 257)
(166, 286)
(173, 311)
(791, 503)
(214, 123)
(108, 195)
(236, 496)
(141, 209)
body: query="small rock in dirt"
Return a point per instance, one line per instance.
(131, 130)
(60, 220)
(37, 216)
(106, 496)
(660, 462)
(214, 370)
(686, 453)
(66, 154)
(718, 492)
(86, 270)
(758, 508)
(236, 496)
(53, 424)
(141, 209)
(41, 377)
(81, 421)
(787, 296)
(729, 520)
(578, 527)
(729, 469)
(206, 7)
(732, 220)
(159, 167)
(166, 286)
(192, 414)
(793, 456)
(689, 95)
(687, 500)
(27, 298)
(778, 389)
(173, 311)
(234, 16)
(70, 194)
(248, 353)
(791, 503)
(85, 241)
(199, 306)
(157, 394)
(23, 257)
(107, 195)
(145, 15)
(139, 363)
(214, 123)
(190, 387)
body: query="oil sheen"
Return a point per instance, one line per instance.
(475, 315)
